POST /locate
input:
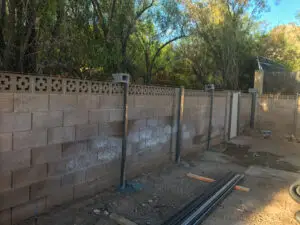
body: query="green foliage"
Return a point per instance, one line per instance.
(282, 44)
(164, 42)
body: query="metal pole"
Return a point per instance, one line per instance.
(230, 115)
(225, 119)
(238, 115)
(253, 110)
(179, 124)
(296, 115)
(210, 118)
(125, 134)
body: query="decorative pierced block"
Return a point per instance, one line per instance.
(95, 87)
(71, 86)
(6, 84)
(117, 89)
(84, 86)
(105, 88)
(56, 85)
(23, 83)
(41, 84)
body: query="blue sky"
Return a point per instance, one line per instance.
(281, 13)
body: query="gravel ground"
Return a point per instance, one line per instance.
(167, 189)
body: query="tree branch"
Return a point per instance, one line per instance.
(97, 8)
(141, 12)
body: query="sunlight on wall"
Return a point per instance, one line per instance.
(264, 106)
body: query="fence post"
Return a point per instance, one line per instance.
(296, 115)
(253, 109)
(230, 114)
(226, 119)
(179, 124)
(125, 134)
(238, 115)
(210, 89)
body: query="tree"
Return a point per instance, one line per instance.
(224, 26)
(282, 44)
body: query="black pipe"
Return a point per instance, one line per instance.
(230, 115)
(253, 108)
(124, 140)
(210, 118)
(203, 214)
(202, 208)
(238, 114)
(179, 124)
(193, 205)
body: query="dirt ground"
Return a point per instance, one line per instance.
(270, 166)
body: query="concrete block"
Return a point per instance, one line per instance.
(30, 139)
(111, 102)
(147, 113)
(93, 187)
(75, 117)
(44, 188)
(111, 168)
(141, 101)
(5, 217)
(6, 102)
(88, 101)
(94, 172)
(96, 116)
(14, 160)
(14, 197)
(50, 153)
(72, 164)
(5, 181)
(27, 176)
(47, 119)
(5, 142)
(27, 210)
(111, 129)
(59, 135)
(10, 122)
(116, 115)
(63, 195)
(74, 149)
(85, 189)
(62, 102)
(74, 178)
(86, 131)
(30, 102)
(59, 168)
(134, 113)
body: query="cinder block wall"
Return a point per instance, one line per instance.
(277, 113)
(245, 110)
(60, 139)
(196, 119)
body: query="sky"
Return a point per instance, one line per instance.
(281, 13)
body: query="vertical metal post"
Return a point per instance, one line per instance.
(179, 124)
(239, 115)
(125, 134)
(253, 109)
(296, 115)
(230, 115)
(226, 116)
(210, 118)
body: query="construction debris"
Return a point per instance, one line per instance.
(198, 209)
(210, 180)
(121, 220)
